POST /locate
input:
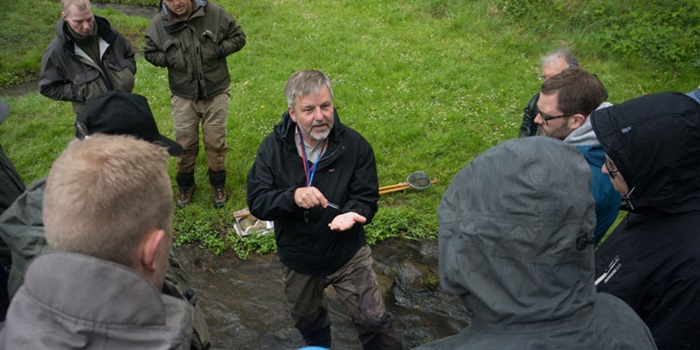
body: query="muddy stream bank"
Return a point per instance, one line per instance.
(245, 307)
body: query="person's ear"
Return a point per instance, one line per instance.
(291, 113)
(151, 242)
(576, 121)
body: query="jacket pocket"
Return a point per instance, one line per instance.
(212, 53)
(174, 55)
(122, 79)
(88, 84)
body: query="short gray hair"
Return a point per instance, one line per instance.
(560, 54)
(305, 82)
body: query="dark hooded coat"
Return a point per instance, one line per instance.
(652, 259)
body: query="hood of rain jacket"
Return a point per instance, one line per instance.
(508, 229)
(665, 180)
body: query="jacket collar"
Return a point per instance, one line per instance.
(584, 135)
(286, 127)
(199, 5)
(101, 282)
(104, 31)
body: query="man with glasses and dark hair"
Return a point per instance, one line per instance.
(652, 259)
(553, 63)
(566, 100)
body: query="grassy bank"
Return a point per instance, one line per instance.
(430, 84)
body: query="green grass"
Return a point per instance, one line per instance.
(27, 27)
(430, 84)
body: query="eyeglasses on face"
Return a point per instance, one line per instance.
(546, 117)
(612, 169)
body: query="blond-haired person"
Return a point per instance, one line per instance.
(22, 225)
(108, 218)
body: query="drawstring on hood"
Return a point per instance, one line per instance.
(665, 129)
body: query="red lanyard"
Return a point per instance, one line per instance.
(310, 173)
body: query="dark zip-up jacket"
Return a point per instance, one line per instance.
(195, 50)
(67, 76)
(346, 175)
(529, 127)
(652, 259)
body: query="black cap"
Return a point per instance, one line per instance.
(121, 113)
(4, 111)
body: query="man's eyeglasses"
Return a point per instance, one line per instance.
(612, 169)
(546, 117)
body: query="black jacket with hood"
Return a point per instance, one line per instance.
(652, 259)
(513, 244)
(346, 175)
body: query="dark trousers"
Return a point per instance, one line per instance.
(356, 284)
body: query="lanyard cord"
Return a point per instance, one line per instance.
(309, 172)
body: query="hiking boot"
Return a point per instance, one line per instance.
(185, 196)
(220, 196)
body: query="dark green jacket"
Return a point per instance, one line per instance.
(68, 76)
(195, 50)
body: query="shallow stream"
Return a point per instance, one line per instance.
(245, 306)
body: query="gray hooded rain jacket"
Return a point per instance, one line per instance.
(515, 226)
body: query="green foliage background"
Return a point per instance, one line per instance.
(430, 84)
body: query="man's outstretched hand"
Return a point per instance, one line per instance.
(346, 221)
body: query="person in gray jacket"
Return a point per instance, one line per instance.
(86, 58)
(22, 225)
(192, 39)
(514, 244)
(108, 213)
